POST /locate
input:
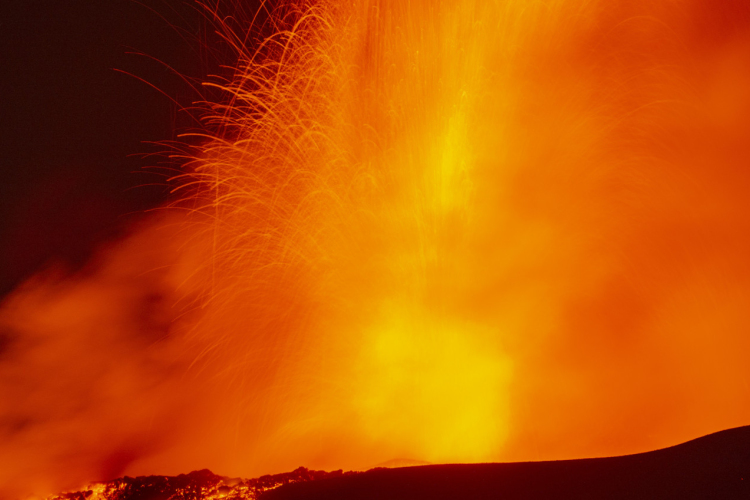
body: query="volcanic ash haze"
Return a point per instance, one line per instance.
(433, 230)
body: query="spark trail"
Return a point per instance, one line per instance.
(434, 221)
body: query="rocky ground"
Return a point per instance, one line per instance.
(198, 485)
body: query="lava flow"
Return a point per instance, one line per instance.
(441, 230)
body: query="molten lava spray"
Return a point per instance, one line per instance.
(440, 230)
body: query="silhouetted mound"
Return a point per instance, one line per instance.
(716, 466)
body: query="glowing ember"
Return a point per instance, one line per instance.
(432, 230)
(198, 485)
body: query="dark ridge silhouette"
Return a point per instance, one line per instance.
(712, 467)
(716, 466)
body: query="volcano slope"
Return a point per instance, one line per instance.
(716, 466)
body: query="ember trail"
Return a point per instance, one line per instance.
(447, 230)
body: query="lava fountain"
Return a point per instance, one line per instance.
(439, 230)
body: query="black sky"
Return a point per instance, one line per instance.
(74, 128)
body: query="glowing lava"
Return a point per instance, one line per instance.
(462, 231)
(470, 231)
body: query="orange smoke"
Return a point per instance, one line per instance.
(445, 231)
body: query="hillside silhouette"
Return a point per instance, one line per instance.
(716, 466)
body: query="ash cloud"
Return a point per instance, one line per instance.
(91, 375)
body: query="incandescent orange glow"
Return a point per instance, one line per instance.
(441, 230)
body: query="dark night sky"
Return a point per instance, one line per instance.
(74, 130)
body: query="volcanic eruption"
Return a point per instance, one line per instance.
(439, 230)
